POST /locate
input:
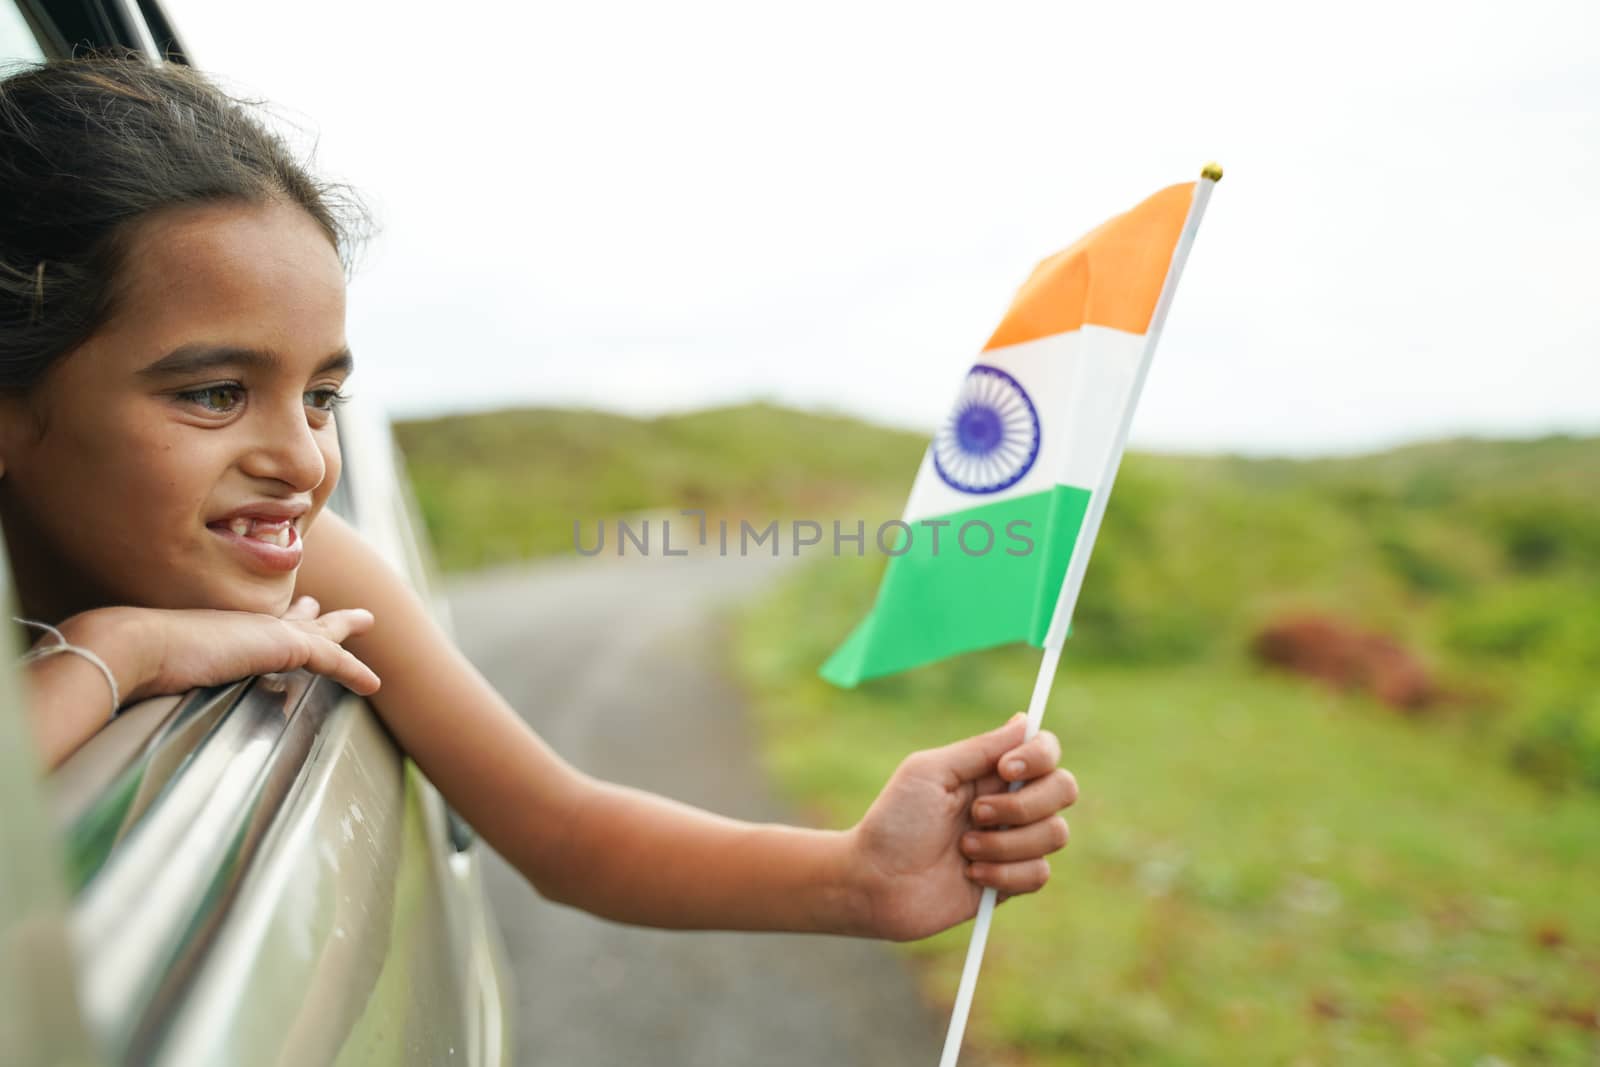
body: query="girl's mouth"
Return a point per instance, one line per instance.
(268, 546)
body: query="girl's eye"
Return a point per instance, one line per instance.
(216, 399)
(325, 399)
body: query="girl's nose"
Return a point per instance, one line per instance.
(286, 450)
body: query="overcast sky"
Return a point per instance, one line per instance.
(652, 207)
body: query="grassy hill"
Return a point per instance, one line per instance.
(1262, 871)
(509, 484)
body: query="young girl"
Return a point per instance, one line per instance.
(172, 352)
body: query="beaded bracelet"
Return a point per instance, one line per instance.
(42, 651)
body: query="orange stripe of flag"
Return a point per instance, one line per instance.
(1112, 276)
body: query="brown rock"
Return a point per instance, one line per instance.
(1341, 655)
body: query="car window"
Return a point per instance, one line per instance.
(16, 39)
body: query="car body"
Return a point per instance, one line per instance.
(252, 873)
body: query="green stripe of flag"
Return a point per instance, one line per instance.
(932, 605)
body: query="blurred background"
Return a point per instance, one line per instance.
(1334, 691)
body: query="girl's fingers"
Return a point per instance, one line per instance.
(1032, 758)
(991, 784)
(323, 648)
(1024, 843)
(305, 607)
(340, 664)
(1028, 876)
(339, 625)
(1038, 799)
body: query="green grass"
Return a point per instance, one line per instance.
(1262, 872)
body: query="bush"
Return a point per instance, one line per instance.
(1540, 534)
(1560, 746)
(1507, 626)
(1421, 571)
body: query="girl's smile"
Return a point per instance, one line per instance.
(265, 535)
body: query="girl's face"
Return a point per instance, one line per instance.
(176, 458)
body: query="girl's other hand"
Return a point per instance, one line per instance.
(946, 826)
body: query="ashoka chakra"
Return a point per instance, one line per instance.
(991, 438)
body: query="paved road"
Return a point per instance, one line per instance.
(615, 663)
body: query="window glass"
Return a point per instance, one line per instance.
(16, 39)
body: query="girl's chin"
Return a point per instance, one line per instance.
(274, 604)
(260, 597)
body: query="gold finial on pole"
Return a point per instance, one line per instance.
(1212, 170)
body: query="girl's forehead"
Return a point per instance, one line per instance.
(262, 275)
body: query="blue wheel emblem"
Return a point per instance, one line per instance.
(991, 438)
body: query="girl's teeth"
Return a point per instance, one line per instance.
(268, 533)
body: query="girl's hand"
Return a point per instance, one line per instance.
(173, 651)
(947, 806)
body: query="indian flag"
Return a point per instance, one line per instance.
(1005, 488)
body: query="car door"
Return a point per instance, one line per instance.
(251, 873)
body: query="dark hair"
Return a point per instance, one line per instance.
(91, 145)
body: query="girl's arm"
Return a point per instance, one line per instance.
(944, 827)
(153, 651)
(617, 852)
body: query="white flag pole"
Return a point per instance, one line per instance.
(1072, 583)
